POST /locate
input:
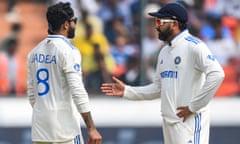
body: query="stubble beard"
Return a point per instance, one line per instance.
(71, 33)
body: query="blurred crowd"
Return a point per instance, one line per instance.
(118, 38)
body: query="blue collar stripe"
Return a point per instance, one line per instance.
(64, 39)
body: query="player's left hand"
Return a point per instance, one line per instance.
(184, 112)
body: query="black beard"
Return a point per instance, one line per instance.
(71, 33)
(164, 35)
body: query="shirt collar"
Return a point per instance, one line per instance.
(177, 38)
(63, 38)
(57, 36)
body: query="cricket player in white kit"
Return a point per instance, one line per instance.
(55, 87)
(187, 77)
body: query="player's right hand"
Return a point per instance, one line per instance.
(94, 137)
(113, 89)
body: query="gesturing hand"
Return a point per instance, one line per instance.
(113, 89)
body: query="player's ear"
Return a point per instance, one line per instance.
(175, 24)
(65, 25)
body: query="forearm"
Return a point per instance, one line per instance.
(30, 91)
(213, 81)
(30, 95)
(147, 92)
(31, 99)
(87, 117)
(79, 94)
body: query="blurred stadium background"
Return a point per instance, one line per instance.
(123, 38)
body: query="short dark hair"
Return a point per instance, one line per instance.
(57, 14)
(182, 26)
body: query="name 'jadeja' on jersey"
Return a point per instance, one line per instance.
(43, 58)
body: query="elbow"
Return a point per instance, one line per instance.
(217, 76)
(221, 75)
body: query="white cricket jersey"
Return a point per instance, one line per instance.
(55, 90)
(187, 74)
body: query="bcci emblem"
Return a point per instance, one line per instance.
(177, 60)
(76, 67)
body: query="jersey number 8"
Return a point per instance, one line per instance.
(42, 81)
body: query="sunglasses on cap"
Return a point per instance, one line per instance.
(74, 20)
(160, 22)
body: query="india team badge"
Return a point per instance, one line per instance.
(177, 60)
(76, 67)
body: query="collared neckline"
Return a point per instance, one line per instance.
(63, 38)
(178, 37)
(57, 36)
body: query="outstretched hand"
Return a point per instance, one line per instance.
(113, 89)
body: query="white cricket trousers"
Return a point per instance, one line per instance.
(76, 140)
(195, 130)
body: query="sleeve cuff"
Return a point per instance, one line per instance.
(84, 108)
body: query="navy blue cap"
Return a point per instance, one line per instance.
(172, 10)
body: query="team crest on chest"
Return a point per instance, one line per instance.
(177, 60)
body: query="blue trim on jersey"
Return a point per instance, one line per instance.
(197, 130)
(77, 140)
(192, 39)
(63, 38)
